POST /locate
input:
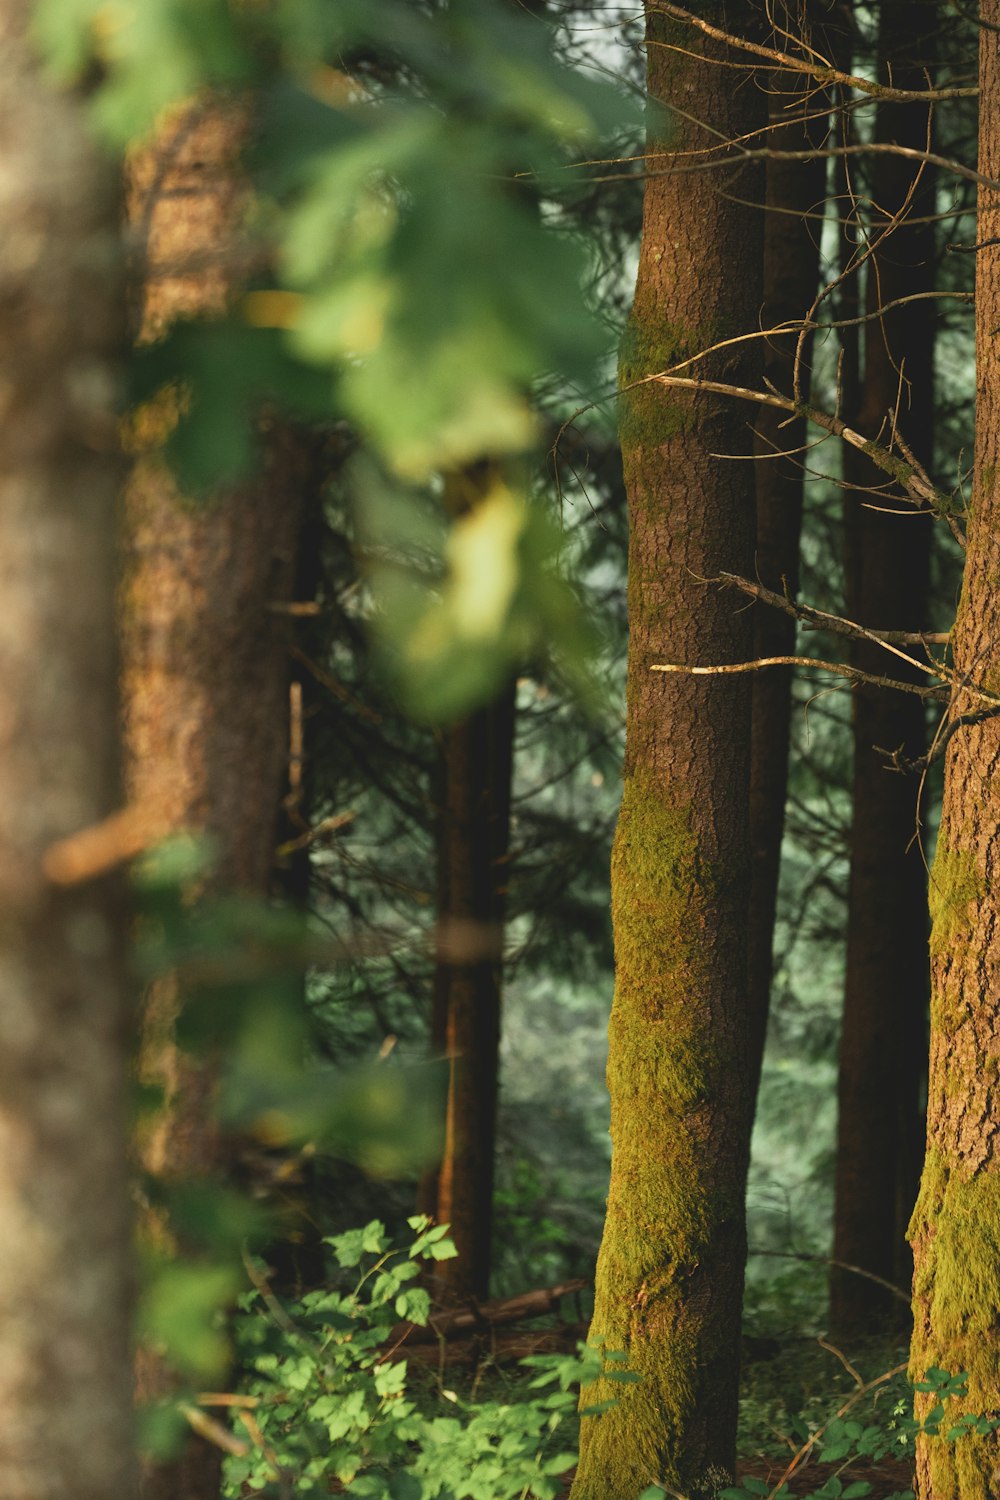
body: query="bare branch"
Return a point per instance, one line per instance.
(922, 493)
(840, 669)
(819, 619)
(822, 71)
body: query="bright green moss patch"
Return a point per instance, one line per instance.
(955, 885)
(957, 1219)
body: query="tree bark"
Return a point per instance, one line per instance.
(65, 1233)
(955, 1227)
(885, 997)
(791, 274)
(670, 1272)
(205, 666)
(473, 851)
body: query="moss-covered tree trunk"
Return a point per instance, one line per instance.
(955, 1229)
(882, 1053)
(65, 1233)
(670, 1271)
(205, 665)
(795, 194)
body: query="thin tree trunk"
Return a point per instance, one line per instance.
(956, 1224)
(65, 1233)
(205, 657)
(885, 998)
(791, 273)
(473, 852)
(670, 1272)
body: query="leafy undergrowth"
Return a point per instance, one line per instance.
(331, 1404)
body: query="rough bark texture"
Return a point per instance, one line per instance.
(65, 1240)
(885, 997)
(955, 1230)
(473, 849)
(670, 1271)
(205, 666)
(791, 273)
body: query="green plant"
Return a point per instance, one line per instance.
(330, 1397)
(890, 1431)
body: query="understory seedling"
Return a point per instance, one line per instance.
(329, 1396)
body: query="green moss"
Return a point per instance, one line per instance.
(665, 1215)
(956, 884)
(956, 1224)
(650, 413)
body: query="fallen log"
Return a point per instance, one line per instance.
(480, 1317)
(498, 1347)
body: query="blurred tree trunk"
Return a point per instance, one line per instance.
(885, 999)
(670, 1272)
(205, 668)
(955, 1226)
(795, 190)
(473, 846)
(65, 1232)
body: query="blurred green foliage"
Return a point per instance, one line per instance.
(413, 183)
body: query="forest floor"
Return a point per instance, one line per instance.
(891, 1476)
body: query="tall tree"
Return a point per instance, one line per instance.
(792, 226)
(670, 1271)
(205, 664)
(885, 997)
(954, 1229)
(472, 849)
(65, 1241)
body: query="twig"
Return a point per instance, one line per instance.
(842, 1411)
(819, 619)
(822, 72)
(840, 669)
(839, 1354)
(103, 846)
(899, 762)
(922, 493)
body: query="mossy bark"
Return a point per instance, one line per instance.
(670, 1271)
(204, 654)
(883, 1046)
(955, 1229)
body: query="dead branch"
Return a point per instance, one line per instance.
(921, 492)
(840, 669)
(819, 619)
(483, 1316)
(822, 71)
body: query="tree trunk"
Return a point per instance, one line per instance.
(956, 1224)
(473, 851)
(670, 1272)
(885, 998)
(205, 667)
(65, 1234)
(791, 274)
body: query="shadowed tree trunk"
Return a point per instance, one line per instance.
(795, 190)
(205, 667)
(472, 849)
(883, 1038)
(65, 1232)
(955, 1227)
(670, 1272)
